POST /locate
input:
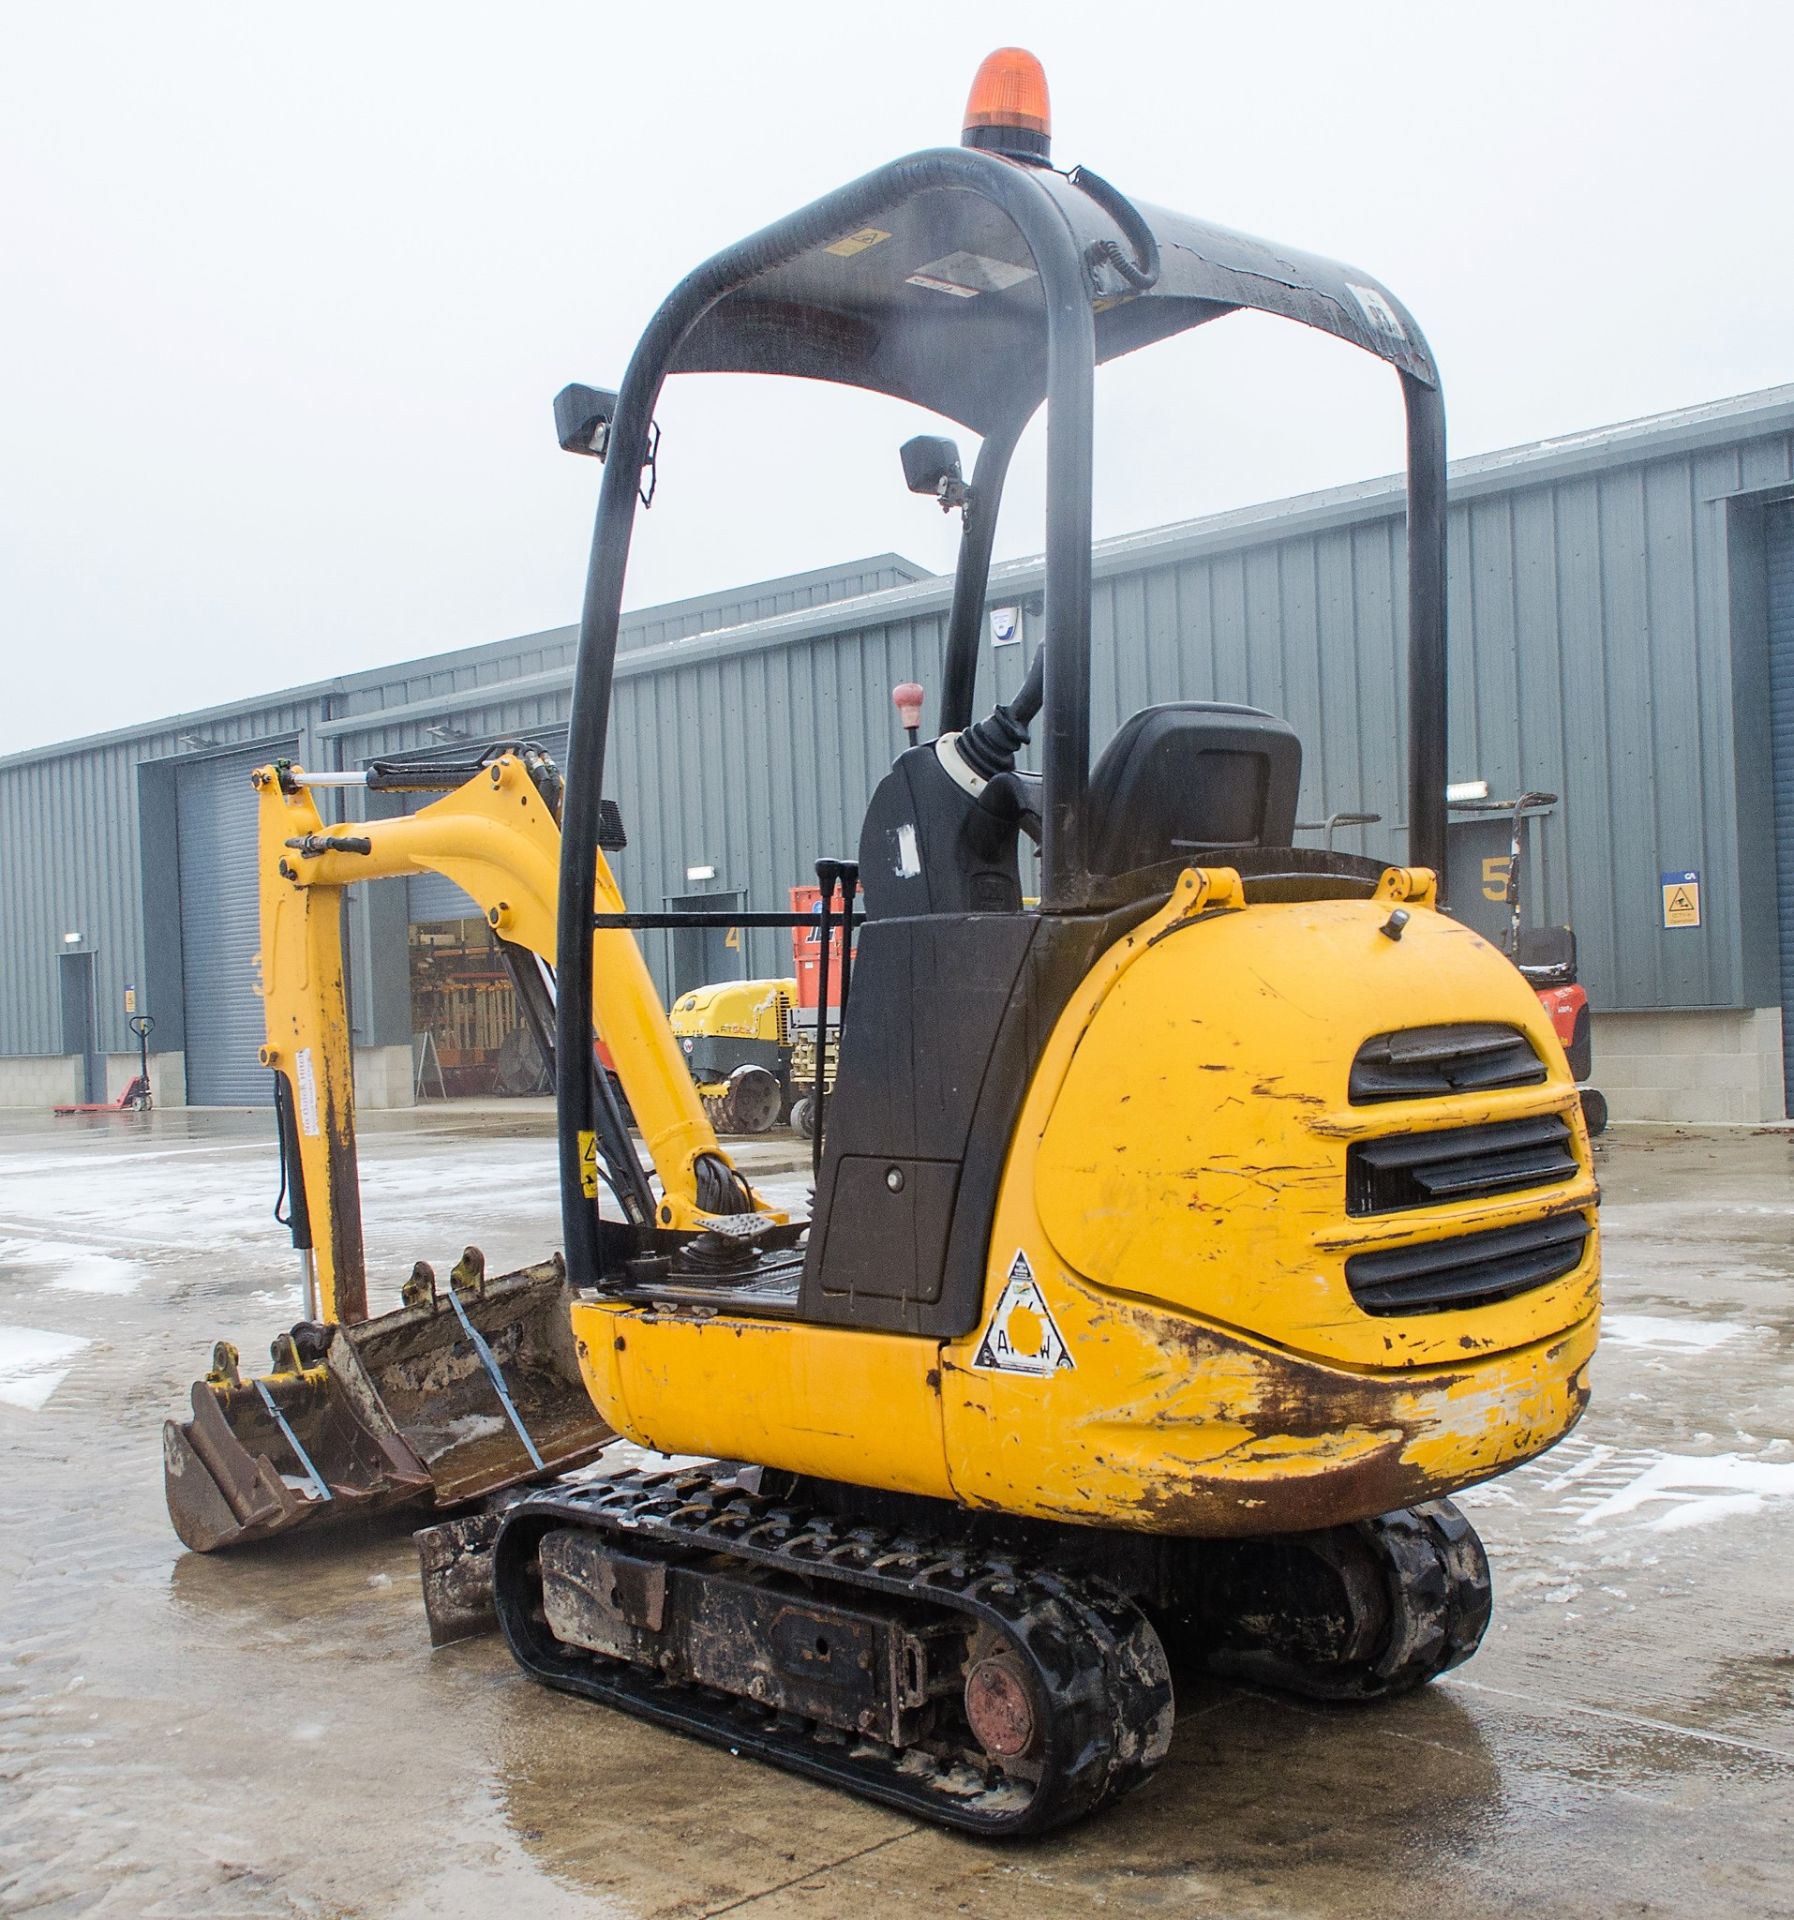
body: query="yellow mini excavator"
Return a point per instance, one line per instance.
(1179, 1243)
(471, 1387)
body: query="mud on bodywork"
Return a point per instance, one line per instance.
(1202, 1431)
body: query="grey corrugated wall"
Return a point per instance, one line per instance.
(1594, 589)
(1592, 655)
(70, 862)
(71, 817)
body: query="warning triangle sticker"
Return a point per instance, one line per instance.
(1021, 1335)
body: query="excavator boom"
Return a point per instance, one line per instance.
(460, 1392)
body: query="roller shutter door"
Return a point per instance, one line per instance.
(431, 896)
(1781, 708)
(216, 820)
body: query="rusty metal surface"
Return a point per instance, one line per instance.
(231, 1476)
(1339, 1441)
(455, 1564)
(781, 1626)
(735, 1630)
(997, 1706)
(400, 1412)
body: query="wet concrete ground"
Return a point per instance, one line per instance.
(269, 1734)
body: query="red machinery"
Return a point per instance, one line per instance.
(1547, 957)
(806, 951)
(136, 1097)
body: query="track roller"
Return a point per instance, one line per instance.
(985, 1694)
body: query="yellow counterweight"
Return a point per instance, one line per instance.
(1169, 1340)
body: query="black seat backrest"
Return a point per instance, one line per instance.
(1192, 778)
(1547, 956)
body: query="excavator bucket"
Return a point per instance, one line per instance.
(462, 1392)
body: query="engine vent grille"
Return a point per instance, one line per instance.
(1473, 1270)
(1457, 1163)
(1417, 1063)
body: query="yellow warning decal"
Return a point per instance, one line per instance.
(852, 243)
(1682, 898)
(1681, 906)
(588, 1164)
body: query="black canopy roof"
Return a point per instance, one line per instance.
(937, 299)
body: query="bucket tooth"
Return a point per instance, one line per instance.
(420, 1289)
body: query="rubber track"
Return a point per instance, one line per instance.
(1436, 1578)
(1096, 1662)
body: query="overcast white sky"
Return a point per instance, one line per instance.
(285, 293)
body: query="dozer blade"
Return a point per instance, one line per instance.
(456, 1396)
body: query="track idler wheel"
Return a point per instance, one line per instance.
(1362, 1612)
(999, 1705)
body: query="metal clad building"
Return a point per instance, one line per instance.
(1617, 601)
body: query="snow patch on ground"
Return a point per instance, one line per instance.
(788, 1195)
(31, 1366)
(73, 1269)
(624, 1456)
(1665, 1334)
(1698, 1491)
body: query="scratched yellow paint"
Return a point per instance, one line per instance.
(1194, 1155)
(859, 1407)
(1176, 1183)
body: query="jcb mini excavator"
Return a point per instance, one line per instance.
(470, 1388)
(1180, 1242)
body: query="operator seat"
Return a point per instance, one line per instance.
(1193, 777)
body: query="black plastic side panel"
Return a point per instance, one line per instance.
(890, 1214)
(930, 996)
(948, 1017)
(928, 847)
(1581, 1050)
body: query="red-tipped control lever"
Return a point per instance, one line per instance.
(907, 698)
